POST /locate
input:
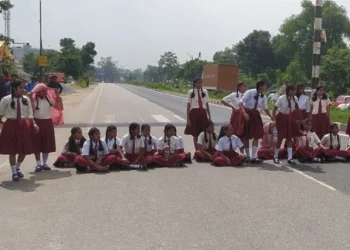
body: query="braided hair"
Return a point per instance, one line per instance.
(166, 129)
(259, 84)
(314, 96)
(72, 145)
(331, 127)
(205, 132)
(238, 87)
(193, 87)
(15, 84)
(288, 89)
(132, 127)
(91, 133)
(37, 101)
(299, 87)
(223, 131)
(108, 130)
(143, 127)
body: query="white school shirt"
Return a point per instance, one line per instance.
(233, 99)
(282, 104)
(326, 141)
(66, 147)
(224, 143)
(324, 105)
(304, 103)
(312, 137)
(152, 146)
(248, 100)
(127, 144)
(174, 144)
(181, 142)
(10, 113)
(86, 148)
(110, 142)
(194, 101)
(44, 111)
(201, 140)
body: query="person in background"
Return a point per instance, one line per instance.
(9, 83)
(283, 88)
(303, 102)
(3, 87)
(55, 85)
(30, 85)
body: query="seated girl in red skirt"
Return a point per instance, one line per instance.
(188, 157)
(169, 149)
(227, 146)
(132, 148)
(15, 137)
(150, 144)
(112, 142)
(268, 143)
(309, 147)
(95, 154)
(206, 144)
(72, 148)
(332, 144)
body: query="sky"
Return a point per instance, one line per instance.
(136, 32)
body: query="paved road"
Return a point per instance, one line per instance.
(197, 207)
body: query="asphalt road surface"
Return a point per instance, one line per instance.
(196, 207)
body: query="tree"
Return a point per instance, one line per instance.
(70, 60)
(30, 63)
(335, 70)
(227, 56)
(192, 69)
(109, 69)
(88, 54)
(168, 65)
(5, 5)
(151, 74)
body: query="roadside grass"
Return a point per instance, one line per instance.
(83, 83)
(337, 115)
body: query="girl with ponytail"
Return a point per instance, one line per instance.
(303, 101)
(206, 144)
(320, 112)
(150, 144)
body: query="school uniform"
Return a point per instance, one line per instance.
(332, 142)
(228, 147)
(307, 146)
(66, 159)
(237, 119)
(319, 118)
(268, 144)
(253, 128)
(150, 143)
(132, 147)
(207, 143)
(188, 158)
(198, 111)
(304, 106)
(15, 137)
(170, 147)
(99, 150)
(287, 118)
(44, 139)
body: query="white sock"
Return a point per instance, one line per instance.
(315, 159)
(247, 151)
(339, 158)
(45, 157)
(18, 166)
(38, 163)
(14, 169)
(254, 153)
(277, 150)
(290, 153)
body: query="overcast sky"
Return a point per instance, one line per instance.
(136, 32)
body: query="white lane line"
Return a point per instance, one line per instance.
(160, 118)
(94, 111)
(311, 178)
(142, 120)
(110, 119)
(180, 118)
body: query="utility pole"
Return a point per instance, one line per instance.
(316, 58)
(41, 40)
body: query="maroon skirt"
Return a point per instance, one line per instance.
(348, 127)
(237, 122)
(44, 139)
(172, 160)
(64, 159)
(253, 128)
(287, 125)
(105, 162)
(308, 153)
(235, 158)
(320, 124)
(303, 115)
(199, 120)
(202, 157)
(15, 138)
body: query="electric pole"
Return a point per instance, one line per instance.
(41, 39)
(316, 58)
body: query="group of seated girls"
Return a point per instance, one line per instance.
(137, 149)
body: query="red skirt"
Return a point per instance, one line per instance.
(269, 154)
(15, 138)
(253, 128)
(44, 139)
(320, 124)
(308, 153)
(287, 126)
(334, 153)
(235, 158)
(188, 157)
(148, 157)
(201, 157)
(172, 160)
(199, 120)
(132, 158)
(303, 115)
(64, 159)
(348, 127)
(237, 122)
(83, 162)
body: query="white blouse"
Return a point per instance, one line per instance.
(127, 144)
(249, 101)
(233, 99)
(304, 103)
(194, 101)
(224, 143)
(311, 137)
(44, 111)
(282, 104)
(10, 113)
(324, 105)
(152, 146)
(86, 148)
(110, 142)
(326, 141)
(164, 145)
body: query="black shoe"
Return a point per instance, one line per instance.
(15, 178)
(247, 159)
(46, 167)
(38, 168)
(181, 164)
(143, 167)
(276, 161)
(292, 162)
(20, 175)
(256, 161)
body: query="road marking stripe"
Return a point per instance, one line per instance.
(4, 164)
(142, 120)
(160, 118)
(180, 118)
(110, 118)
(94, 111)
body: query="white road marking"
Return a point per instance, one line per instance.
(142, 120)
(94, 111)
(110, 118)
(160, 118)
(311, 178)
(180, 118)
(4, 164)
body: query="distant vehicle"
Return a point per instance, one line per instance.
(220, 77)
(342, 99)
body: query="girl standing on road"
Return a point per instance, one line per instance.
(227, 146)
(303, 102)
(72, 148)
(169, 149)
(251, 101)
(15, 137)
(43, 141)
(287, 122)
(332, 144)
(237, 118)
(150, 144)
(320, 112)
(206, 144)
(95, 154)
(198, 112)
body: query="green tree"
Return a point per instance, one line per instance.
(109, 69)
(5, 5)
(88, 54)
(30, 63)
(69, 60)
(168, 65)
(192, 69)
(226, 56)
(151, 74)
